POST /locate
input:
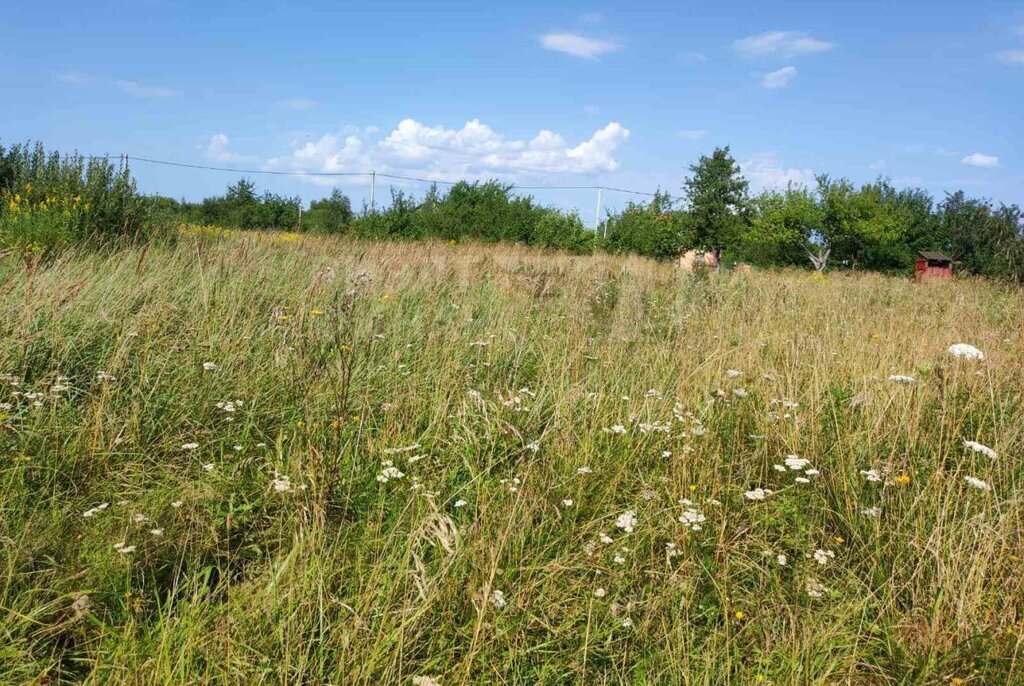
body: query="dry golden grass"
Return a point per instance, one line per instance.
(294, 558)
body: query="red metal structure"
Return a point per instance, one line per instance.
(933, 264)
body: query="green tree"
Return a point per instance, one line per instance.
(717, 195)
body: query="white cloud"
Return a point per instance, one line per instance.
(136, 88)
(784, 43)
(694, 57)
(766, 171)
(73, 77)
(218, 149)
(779, 78)
(472, 151)
(298, 104)
(978, 159)
(578, 46)
(693, 134)
(1011, 56)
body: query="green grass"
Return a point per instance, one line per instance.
(502, 364)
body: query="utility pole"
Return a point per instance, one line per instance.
(373, 188)
(597, 212)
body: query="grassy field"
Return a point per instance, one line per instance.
(271, 459)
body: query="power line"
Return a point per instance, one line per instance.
(398, 177)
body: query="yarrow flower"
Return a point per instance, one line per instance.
(902, 379)
(425, 681)
(626, 521)
(757, 494)
(871, 475)
(781, 559)
(584, 470)
(975, 482)
(733, 373)
(822, 556)
(965, 351)
(795, 462)
(814, 588)
(210, 366)
(692, 519)
(460, 503)
(871, 511)
(498, 599)
(979, 448)
(93, 511)
(189, 446)
(617, 429)
(281, 484)
(389, 471)
(600, 593)
(124, 548)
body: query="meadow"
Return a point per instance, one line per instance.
(271, 458)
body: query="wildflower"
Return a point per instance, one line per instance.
(281, 484)
(237, 448)
(965, 351)
(733, 373)
(822, 556)
(425, 681)
(692, 519)
(139, 518)
(796, 463)
(156, 532)
(567, 502)
(902, 379)
(208, 467)
(802, 480)
(93, 511)
(617, 429)
(176, 504)
(606, 539)
(811, 472)
(103, 376)
(498, 599)
(210, 366)
(533, 447)
(600, 593)
(666, 453)
(124, 548)
(627, 622)
(871, 475)
(979, 448)
(388, 472)
(781, 559)
(814, 588)
(460, 503)
(584, 470)
(619, 560)
(779, 467)
(974, 482)
(902, 480)
(739, 614)
(757, 494)
(189, 446)
(316, 312)
(671, 550)
(626, 521)
(739, 392)
(871, 511)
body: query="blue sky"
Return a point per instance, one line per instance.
(539, 93)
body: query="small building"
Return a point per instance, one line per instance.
(933, 264)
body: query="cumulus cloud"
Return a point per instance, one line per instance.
(137, 89)
(766, 171)
(784, 43)
(472, 151)
(978, 159)
(779, 78)
(577, 45)
(1011, 56)
(218, 149)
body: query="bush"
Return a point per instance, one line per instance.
(48, 200)
(654, 229)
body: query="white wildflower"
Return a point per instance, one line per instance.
(781, 559)
(139, 518)
(104, 376)
(208, 467)
(281, 483)
(627, 622)
(739, 392)
(617, 429)
(626, 521)
(600, 593)
(814, 588)
(93, 511)
(902, 379)
(124, 548)
(606, 539)
(692, 519)
(871, 511)
(822, 556)
(802, 480)
(425, 681)
(779, 467)
(871, 475)
(189, 446)
(210, 366)
(796, 463)
(733, 373)
(567, 502)
(584, 470)
(460, 503)
(757, 494)
(966, 351)
(156, 532)
(498, 599)
(619, 560)
(177, 503)
(979, 448)
(974, 482)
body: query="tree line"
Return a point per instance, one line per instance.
(47, 200)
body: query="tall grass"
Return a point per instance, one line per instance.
(529, 401)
